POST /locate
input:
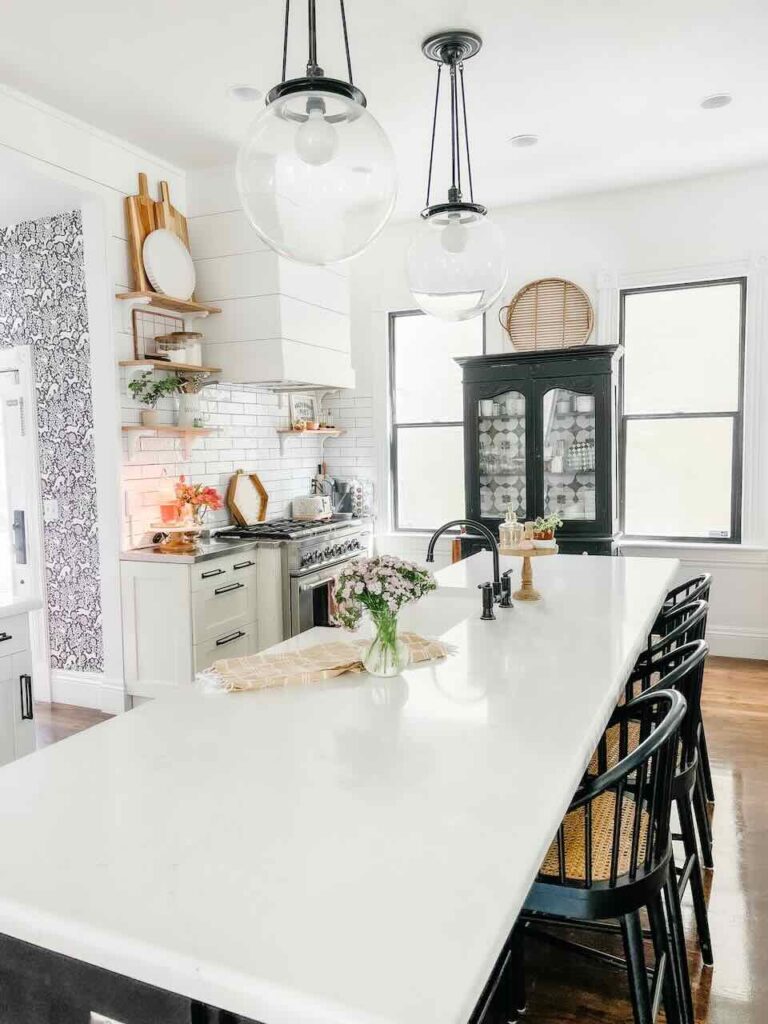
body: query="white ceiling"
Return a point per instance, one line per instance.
(611, 88)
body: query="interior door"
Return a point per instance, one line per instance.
(572, 453)
(21, 539)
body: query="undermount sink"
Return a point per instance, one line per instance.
(440, 611)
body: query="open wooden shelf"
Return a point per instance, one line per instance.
(133, 430)
(183, 306)
(322, 433)
(164, 428)
(165, 364)
(326, 431)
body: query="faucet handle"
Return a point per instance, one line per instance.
(506, 590)
(487, 600)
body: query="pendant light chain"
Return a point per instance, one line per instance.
(434, 130)
(466, 133)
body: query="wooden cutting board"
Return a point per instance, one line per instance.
(141, 217)
(167, 216)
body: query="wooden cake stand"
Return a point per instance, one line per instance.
(182, 538)
(527, 591)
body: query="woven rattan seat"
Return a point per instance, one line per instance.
(603, 815)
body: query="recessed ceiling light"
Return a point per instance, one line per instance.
(716, 100)
(523, 141)
(244, 93)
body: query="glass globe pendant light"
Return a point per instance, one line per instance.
(456, 262)
(316, 174)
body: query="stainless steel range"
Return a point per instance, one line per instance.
(311, 555)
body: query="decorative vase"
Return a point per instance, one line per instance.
(189, 409)
(149, 417)
(387, 654)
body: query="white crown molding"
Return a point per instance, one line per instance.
(84, 126)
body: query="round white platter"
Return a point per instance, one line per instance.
(168, 264)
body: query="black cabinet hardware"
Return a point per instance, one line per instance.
(25, 692)
(229, 587)
(244, 565)
(230, 638)
(212, 572)
(6, 636)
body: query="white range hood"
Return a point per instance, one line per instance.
(283, 325)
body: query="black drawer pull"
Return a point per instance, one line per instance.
(229, 587)
(212, 572)
(25, 691)
(244, 565)
(5, 636)
(230, 638)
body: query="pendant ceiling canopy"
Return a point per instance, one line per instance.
(456, 262)
(316, 173)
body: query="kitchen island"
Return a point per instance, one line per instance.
(350, 852)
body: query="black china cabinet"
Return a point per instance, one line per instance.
(540, 436)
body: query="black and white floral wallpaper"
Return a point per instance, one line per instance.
(43, 304)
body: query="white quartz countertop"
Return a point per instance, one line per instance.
(11, 604)
(351, 852)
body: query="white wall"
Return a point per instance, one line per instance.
(103, 170)
(685, 230)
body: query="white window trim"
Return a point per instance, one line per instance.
(610, 283)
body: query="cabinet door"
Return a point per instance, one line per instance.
(23, 705)
(498, 452)
(572, 477)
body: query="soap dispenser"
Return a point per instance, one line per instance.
(508, 531)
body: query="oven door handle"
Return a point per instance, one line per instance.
(317, 583)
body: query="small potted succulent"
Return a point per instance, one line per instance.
(149, 390)
(544, 530)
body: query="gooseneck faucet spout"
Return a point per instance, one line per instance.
(481, 529)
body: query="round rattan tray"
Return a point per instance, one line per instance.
(550, 313)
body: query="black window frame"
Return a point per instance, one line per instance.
(737, 416)
(394, 427)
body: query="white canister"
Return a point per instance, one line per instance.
(486, 407)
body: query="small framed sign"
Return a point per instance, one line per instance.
(303, 407)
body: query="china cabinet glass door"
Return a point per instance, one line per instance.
(501, 456)
(568, 454)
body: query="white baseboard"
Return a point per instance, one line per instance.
(88, 690)
(738, 642)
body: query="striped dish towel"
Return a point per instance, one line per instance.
(310, 665)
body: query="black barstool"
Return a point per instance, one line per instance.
(612, 856)
(695, 589)
(685, 623)
(681, 668)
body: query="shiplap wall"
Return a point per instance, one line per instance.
(280, 320)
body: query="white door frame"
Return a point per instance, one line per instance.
(19, 358)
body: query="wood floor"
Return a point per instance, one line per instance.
(564, 989)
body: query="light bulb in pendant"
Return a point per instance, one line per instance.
(454, 236)
(316, 139)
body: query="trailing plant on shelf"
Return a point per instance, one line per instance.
(148, 389)
(380, 586)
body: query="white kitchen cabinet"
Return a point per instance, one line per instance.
(17, 727)
(179, 618)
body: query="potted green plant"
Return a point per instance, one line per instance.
(149, 390)
(544, 530)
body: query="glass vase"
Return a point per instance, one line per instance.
(387, 654)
